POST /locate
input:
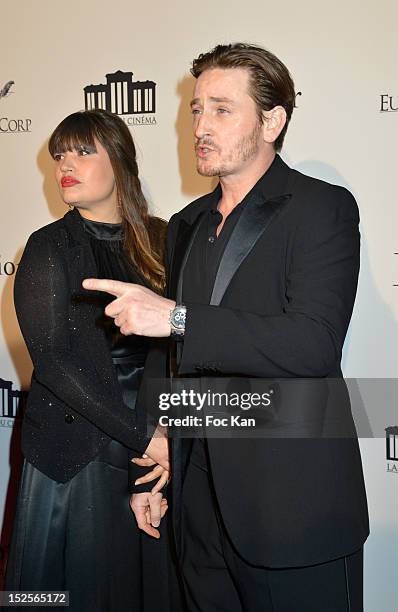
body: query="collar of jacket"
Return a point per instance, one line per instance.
(275, 182)
(75, 227)
(264, 203)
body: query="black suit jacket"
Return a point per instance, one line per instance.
(280, 308)
(75, 405)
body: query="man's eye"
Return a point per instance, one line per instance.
(195, 111)
(222, 110)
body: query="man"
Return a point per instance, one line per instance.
(262, 276)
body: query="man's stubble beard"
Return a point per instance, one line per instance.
(246, 149)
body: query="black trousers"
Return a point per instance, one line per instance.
(217, 579)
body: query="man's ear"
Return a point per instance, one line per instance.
(274, 121)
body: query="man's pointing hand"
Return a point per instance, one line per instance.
(136, 309)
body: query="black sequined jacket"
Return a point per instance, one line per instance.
(75, 404)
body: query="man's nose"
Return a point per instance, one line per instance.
(202, 126)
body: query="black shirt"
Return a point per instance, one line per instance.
(199, 276)
(206, 252)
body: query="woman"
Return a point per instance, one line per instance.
(74, 529)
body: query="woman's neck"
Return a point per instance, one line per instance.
(100, 216)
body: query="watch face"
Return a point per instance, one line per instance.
(178, 318)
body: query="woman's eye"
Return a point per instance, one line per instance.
(84, 151)
(58, 156)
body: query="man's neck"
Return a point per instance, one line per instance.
(235, 187)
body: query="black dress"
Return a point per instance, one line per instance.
(81, 536)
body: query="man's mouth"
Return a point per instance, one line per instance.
(203, 150)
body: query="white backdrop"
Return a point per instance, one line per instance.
(343, 57)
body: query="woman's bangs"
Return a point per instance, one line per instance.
(73, 133)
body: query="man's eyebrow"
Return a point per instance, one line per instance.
(213, 99)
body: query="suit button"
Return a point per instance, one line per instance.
(69, 418)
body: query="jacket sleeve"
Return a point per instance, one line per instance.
(306, 338)
(154, 373)
(42, 300)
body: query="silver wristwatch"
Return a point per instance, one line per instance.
(177, 320)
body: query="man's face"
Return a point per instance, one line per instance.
(228, 133)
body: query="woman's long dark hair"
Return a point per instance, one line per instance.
(143, 234)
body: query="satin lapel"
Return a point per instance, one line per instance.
(81, 265)
(253, 222)
(87, 308)
(185, 237)
(80, 259)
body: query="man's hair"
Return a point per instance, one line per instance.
(270, 82)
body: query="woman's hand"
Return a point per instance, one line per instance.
(158, 448)
(148, 510)
(158, 472)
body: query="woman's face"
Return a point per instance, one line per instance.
(85, 179)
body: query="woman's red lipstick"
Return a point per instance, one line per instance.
(69, 181)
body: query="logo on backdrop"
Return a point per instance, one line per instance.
(388, 104)
(392, 448)
(6, 89)
(134, 101)
(7, 268)
(10, 125)
(12, 403)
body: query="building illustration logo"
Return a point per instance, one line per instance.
(392, 448)
(6, 89)
(134, 101)
(12, 403)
